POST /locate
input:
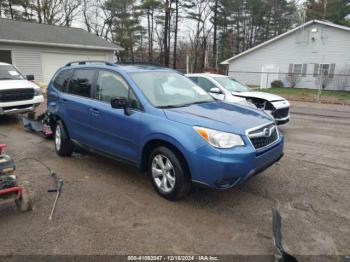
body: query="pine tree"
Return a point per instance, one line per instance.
(336, 11)
(125, 25)
(149, 7)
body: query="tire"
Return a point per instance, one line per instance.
(177, 183)
(63, 144)
(24, 203)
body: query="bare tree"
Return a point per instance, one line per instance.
(323, 80)
(293, 79)
(200, 12)
(51, 11)
(70, 10)
(96, 18)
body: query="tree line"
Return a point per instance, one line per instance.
(194, 34)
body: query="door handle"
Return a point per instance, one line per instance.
(52, 95)
(63, 101)
(94, 111)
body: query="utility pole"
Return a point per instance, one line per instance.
(325, 3)
(215, 49)
(176, 28)
(166, 32)
(11, 10)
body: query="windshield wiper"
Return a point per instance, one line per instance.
(169, 106)
(197, 103)
(185, 105)
(5, 78)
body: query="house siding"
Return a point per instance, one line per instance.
(28, 58)
(331, 46)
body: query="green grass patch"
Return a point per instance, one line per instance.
(310, 95)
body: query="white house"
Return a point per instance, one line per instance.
(41, 49)
(313, 49)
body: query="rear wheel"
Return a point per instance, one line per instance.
(168, 174)
(63, 144)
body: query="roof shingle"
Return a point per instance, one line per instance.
(35, 33)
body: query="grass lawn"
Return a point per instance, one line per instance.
(310, 95)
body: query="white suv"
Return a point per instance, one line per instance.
(225, 88)
(17, 94)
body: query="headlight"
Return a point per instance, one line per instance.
(37, 92)
(219, 139)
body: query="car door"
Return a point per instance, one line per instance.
(76, 103)
(116, 133)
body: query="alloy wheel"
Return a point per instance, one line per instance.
(163, 173)
(58, 138)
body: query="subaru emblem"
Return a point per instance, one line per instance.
(267, 132)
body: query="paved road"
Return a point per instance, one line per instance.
(110, 208)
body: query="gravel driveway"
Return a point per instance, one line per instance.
(110, 208)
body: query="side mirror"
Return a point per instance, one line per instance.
(120, 103)
(30, 77)
(215, 90)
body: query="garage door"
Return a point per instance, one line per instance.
(52, 61)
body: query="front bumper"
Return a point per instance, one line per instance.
(282, 121)
(281, 112)
(20, 107)
(223, 169)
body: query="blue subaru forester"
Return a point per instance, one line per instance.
(162, 122)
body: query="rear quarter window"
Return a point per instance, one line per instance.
(62, 79)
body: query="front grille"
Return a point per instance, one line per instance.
(17, 107)
(264, 136)
(281, 113)
(19, 94)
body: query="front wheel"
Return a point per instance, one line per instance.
(63, 145)
(168, 174)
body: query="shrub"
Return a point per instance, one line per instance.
(293, 79)
(277, 83)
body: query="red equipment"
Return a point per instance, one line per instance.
(10, 190)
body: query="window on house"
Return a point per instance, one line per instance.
(326, 70)
(6, 56)
(298, 69)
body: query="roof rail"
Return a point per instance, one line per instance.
(90, 62)
(138, 63)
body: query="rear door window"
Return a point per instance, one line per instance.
(81, 82)
(61, 80)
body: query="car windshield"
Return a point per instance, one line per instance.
(232, 85)
(169, 89)
(9, 72)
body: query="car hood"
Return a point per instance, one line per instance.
(235, 99)
(10, 84)
(261, 95)
(221, 116)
